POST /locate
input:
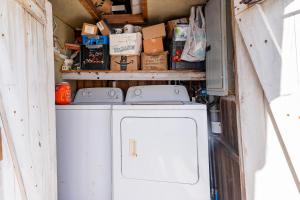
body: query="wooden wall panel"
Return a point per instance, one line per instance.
(1, 148)
(226, 153)
(229, 122)
(27, 96)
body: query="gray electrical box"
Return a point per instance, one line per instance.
(219, 61)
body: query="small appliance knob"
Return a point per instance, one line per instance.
(112, 93)
(137, 92)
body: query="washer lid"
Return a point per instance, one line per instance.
(99, 95)
(157, 94)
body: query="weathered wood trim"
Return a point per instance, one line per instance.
(12, 150)
(238, 114)
(1, 146)
(268, 120)
(275, 63)
(90, 7)
(135, 75)
(53, 193)
(28, 101)
(34, 9)
(145, 9)
(124, 19)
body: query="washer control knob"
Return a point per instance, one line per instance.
(111, 93)
(177, 91)
(137, 92)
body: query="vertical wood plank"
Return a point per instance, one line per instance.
(27, 88)
(261, 153)
(51, 187)
(1, 148)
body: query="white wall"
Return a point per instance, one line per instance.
(65, 34)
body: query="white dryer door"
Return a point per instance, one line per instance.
(160, 149)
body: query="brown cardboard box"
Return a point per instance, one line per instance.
(103, 27)
(89, 29)
(153, 46)
(155, 62)
(125, 44)
(125, 63)
(173, 23)
(155, 31)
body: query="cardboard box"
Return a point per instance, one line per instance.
(122, 62)
(103, 27)
(155, 31)
(125, 44)
(153, 46)
(89, 29)
(173, 23)
(155, 62)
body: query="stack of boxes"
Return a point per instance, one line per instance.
(94, 49)
(154, 57)
(125, 51)
(122, 52)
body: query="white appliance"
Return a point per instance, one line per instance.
(84, 145)
(160, 146)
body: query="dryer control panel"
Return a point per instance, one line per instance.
(157, 93)
(99, 95)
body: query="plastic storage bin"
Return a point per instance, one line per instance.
(175, 61)
(94, 40)
(94, 57)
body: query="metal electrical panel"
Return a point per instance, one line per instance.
(219, 61)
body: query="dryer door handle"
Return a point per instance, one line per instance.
(132, 148)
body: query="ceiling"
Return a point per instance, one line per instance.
(74, 14)
(162, 10)
(71, 12)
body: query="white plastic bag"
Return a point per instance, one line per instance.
(195, 46)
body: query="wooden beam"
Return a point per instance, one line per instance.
(145, 9)
(124, 19)
(187, 75)
(91, 8)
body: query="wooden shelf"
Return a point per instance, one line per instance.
(175, 75)
(124, 19)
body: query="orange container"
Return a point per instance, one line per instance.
(63, 93)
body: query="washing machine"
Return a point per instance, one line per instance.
(160, 146)
(84, 144)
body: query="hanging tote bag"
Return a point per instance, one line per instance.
(195, 46)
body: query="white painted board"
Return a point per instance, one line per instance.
(27, 88)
